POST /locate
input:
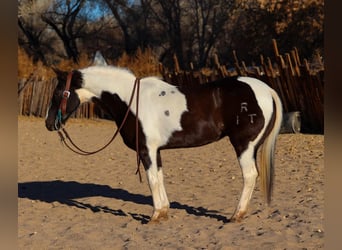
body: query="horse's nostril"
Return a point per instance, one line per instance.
(50, 128)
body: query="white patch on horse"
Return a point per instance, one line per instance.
(97, 79)
(84, 95)
(154, 100)
(160, 113)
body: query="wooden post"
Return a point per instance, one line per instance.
(258, 70)
(191, 66)
(281, 62)
(244, 67)
(40, 90)
(269, 63)
(32, 98)
(161, 69)
(296, 63)
(238, 69)
(223, 71)
(297, 56)
(216, 61)
(20, 97)
(175, 60)
(319, 59)
(306, 65)
(288, 59)
(275, 47)
(91, 110)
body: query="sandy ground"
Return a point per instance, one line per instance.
(67, 201)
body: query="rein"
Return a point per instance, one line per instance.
(62, 105)
(63, 134)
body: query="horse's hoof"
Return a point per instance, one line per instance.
(237, 217)
(159, 215)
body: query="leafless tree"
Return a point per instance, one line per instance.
(168, 14)
(133, 20)
(31, 29)
(207, 22)
(62, 17)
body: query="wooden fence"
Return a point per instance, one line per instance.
(34, 95)
(299, 85)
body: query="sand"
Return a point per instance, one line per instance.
(68, 201)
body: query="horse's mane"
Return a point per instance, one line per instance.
(110, 68)
(216, 83)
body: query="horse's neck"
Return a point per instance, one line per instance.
(116, 81)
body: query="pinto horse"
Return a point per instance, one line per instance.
(245, 109)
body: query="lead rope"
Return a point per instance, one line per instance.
(137, 132)
(84, 152)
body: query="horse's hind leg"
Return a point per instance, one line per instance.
(156, 183)
(250, 173)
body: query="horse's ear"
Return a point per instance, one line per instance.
(62, 75)
(57, 71)
(99, 59)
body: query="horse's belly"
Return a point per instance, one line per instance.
(198, 135)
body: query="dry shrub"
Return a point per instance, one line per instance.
(27, 68)
(143, 63)
(69, 65)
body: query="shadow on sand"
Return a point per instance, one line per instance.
(67, 193)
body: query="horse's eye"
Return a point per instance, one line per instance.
(58, 94)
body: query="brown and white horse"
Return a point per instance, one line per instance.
(245, 109)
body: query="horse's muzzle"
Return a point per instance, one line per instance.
(52, 125)
(49, 126)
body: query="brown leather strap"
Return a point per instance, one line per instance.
(66, 94)
(137, 129)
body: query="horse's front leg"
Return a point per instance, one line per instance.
(156, 183)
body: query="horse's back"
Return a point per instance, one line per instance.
(237, 107)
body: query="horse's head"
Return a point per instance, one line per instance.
(64, 100)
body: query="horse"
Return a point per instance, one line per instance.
(244, 109)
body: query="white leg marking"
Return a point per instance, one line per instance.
(163, 196)
(152, 177)
(249, 172)
(156, 183)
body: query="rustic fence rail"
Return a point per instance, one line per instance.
(299, 85)
(34, 95)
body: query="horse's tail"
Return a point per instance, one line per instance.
(268, 148)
